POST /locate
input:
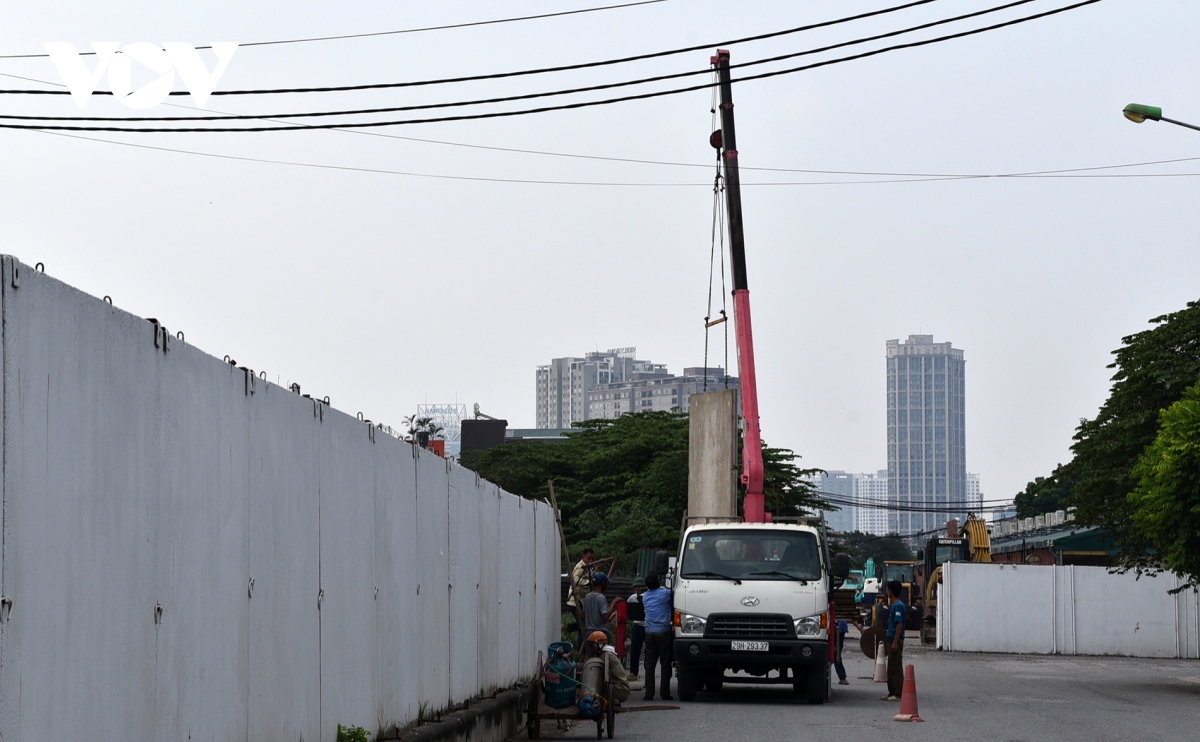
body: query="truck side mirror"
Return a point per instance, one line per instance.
(841, 565)
(661, 562)
(920, 555)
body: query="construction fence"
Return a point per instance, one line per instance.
(191, 552)
(1042, 609)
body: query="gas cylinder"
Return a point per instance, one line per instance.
(592, 679)
(560, 676)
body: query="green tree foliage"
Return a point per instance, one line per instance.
(1153, 370)
(622, 483)
(1047, 494)
(1166, 499)
(863, 546)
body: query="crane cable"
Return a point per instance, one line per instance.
(718, 235)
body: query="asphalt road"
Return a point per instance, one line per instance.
(980, 697)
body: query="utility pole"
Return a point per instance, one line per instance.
(754, 507)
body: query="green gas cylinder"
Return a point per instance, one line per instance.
(560, 676)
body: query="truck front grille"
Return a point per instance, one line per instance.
(738, 625)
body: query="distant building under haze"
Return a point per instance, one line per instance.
(608, 384)
(926, 434)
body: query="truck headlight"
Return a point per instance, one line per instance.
(811, 625)
(690, 625)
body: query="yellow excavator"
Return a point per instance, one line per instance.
(972, 545)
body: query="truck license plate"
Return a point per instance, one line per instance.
(750, 646)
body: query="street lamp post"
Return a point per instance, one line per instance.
(1137, 113)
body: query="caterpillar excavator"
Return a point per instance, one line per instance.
(972, 545)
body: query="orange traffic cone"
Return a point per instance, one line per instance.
(880, 664)
(908, 700)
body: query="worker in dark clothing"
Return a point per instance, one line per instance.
(897, 612)
(636, 616)
(597, 611)
(659, 636)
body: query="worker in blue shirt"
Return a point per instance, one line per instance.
(659, 636)
(897, 612)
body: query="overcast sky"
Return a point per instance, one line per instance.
(385, 291)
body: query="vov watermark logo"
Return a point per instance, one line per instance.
(173, 57)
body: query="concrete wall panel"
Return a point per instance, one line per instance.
(1065, 610)
(396, 574)
(143, 475)
(488, 628)
(509, 582)
(348, 672)
(284, 536)
(81, 486)
(464, 583)
(433, 589)
(202, 549)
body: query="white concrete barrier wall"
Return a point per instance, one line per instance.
(190, 552)
(1039, 609)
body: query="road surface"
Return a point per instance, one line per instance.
(980, 697)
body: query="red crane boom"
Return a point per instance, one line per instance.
(754, 506)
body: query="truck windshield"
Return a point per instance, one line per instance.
(901, 572)
(751, 554)
(948, 553)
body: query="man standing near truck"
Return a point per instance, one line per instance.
(659, 636)
(897, 612)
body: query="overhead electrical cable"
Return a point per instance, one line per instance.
(910, 177)
(525, 96)
(540, 70)
(561, 107)
(380, 171)
(401, 31)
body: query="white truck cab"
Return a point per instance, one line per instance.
(752, 598)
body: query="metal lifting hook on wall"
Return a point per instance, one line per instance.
(40, 267)
(5, 609)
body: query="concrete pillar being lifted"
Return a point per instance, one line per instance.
(713, 454)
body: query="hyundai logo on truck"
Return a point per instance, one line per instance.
(749, 601)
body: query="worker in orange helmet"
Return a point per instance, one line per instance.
(598, 646)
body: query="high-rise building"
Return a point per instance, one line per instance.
(608, 384)
(974, 495)
(864, 490)
(926, 433)
(841, 484)
(871, 490)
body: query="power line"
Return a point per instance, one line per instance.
(438, 176)
(907, 177)
(401, 31)
(561, 107)
(525, 96)
(542, 70)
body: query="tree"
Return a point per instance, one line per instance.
(621, 484)
(1166, 498)
(1047, 494)
(1153, 370)
(863, 546)
(423, 429)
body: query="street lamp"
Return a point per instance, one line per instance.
(1137, 113)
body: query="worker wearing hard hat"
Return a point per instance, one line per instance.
(596, 609)
(614, 670)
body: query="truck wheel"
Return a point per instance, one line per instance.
(814, 687)
(687, 681)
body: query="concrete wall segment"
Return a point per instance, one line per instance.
(137, 477)
(1073, 610)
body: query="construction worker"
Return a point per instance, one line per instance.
(897, 612)
(597, 611)
(581, 585)
(637, 637)
(659, 637)
(615, 671)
